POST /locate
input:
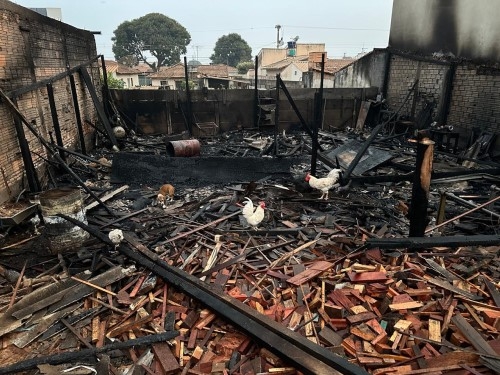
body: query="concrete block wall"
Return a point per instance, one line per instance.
(368, 71)
(36, 48)
(475, 100)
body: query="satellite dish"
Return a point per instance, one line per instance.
(296, 38)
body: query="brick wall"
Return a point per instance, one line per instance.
(475, 100)
(404, 71)
(35, 48)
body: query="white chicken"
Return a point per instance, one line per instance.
(324, 184)
(251, 215)
(116, 236)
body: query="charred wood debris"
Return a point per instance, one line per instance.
(319, 287)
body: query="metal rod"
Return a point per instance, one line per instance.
(462, 215)
(470, 204)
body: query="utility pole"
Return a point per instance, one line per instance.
(278, 27)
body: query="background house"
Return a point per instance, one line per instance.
(169, 78)
(129, 76)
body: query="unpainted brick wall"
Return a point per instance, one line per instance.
(475, 100)
(34, 48)
(402, 76)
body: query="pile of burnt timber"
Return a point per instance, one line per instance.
(319, 287)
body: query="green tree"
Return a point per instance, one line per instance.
(231, 49)
(244, 66)
(156, 34)
(114, 83)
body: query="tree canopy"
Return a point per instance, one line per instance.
(231, 49)
(160, 36)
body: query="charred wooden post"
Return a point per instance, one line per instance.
(256, 95)
(29, 166)
(296, 109)
(188, 99)
(99, 107)
(78, 116)
(55, 120)
(421, 184)
(276, 115)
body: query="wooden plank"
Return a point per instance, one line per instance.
(472, 335)
(367, 277)
(166, 358)
(106, 197)
(405, 305)
(316, 269)
(434, 330)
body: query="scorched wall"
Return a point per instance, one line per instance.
(34, 48)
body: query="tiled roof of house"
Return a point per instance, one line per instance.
(175, 71)
(115, 67)
(334, 65)
(284, 63)
(217, 70)
(144, 68)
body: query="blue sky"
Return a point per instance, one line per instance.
(346, 27)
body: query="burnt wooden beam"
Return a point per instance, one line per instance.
(78, 116)
(372, 136)
(68, 357)
(55, 119)
(426, 242)
(297, 112)
(99, 107)
(29, 166)
(421, 186)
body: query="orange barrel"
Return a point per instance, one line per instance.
(61, 234)
(183, 148)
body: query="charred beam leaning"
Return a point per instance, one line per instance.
(99, 107)
(372, 136)
(297, 112)
(78, 117)
(310, 358)
(29, 166)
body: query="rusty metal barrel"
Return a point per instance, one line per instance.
(62, 235)
(183, 148)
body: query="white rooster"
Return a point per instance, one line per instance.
(253, 216)
(326, 183)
